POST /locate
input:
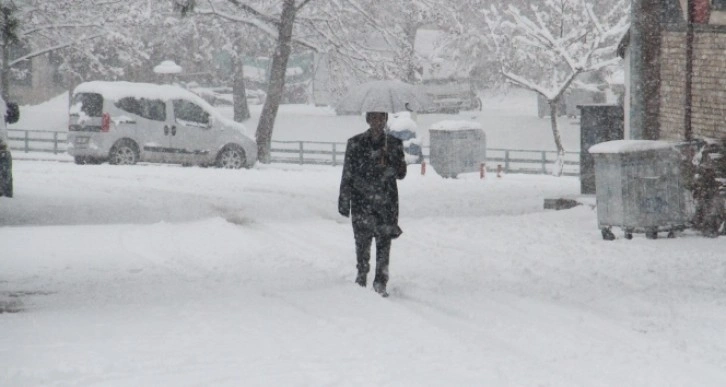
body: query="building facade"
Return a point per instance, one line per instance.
(708, 81)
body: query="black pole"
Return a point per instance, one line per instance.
(688, 116)
(645, 33)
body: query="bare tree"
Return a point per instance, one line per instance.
(43, 27)
(277, 23)
(92, 37)
(340, 28)
(546, 50)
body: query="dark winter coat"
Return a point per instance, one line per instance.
(368, 188)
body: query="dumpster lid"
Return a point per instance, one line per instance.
(456, 125)
(625, 146)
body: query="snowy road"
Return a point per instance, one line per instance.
(163, 275)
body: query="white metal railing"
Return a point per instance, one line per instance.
(323, 153)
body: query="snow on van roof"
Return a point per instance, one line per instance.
(121, 89)
(455, 125)
(625, 146)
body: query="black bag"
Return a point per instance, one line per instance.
(392, 231)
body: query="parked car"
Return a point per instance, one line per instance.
(404, 128)
(125, 122)
(11, 116)
(450, 96)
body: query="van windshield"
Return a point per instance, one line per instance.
(90, 104)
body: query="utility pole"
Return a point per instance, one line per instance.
(645, 34)
(688, 116)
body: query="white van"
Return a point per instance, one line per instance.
(125, 122)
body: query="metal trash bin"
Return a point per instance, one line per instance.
(598, 123)
(639, 188)
(457, 146)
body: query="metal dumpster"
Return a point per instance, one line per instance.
(639, 188)
(457, 146)
(598, 123)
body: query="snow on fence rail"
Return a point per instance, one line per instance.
(325, 153)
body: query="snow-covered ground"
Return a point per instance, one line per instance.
(166, 275)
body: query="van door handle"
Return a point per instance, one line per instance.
(173, 130)
(166, 130)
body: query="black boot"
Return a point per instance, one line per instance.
(361, 279)
(380, 288)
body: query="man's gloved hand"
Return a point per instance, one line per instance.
(344, 209)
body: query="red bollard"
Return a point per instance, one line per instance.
(482, 171)
(423, 167)
(499, 170)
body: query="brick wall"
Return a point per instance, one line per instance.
(673, 85)
(709, 85)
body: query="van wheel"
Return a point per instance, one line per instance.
(124, 152)
(231, 157)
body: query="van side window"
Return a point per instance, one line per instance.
(91, 104)
(129, 104)
(152, 109)
(190, 112)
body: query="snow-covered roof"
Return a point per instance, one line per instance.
(452, 125)
(625, 146)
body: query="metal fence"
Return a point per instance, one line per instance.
(37, 140)
(326, 153)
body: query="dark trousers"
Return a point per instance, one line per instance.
(6, 173)
(364, 233)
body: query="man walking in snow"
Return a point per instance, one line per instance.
(374, 160)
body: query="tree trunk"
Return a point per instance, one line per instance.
(72, 83)
(277, 82)
(560, 163)
(5, 72)
(239, 92)
(409, 53)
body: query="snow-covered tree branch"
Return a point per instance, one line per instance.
(549, 47)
